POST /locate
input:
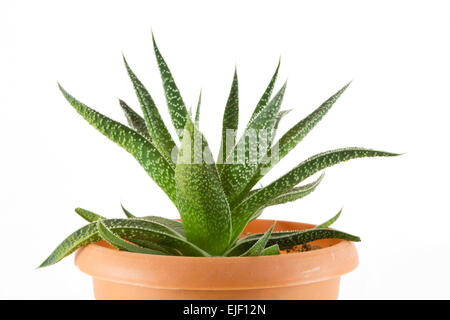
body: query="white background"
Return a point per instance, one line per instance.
(396, 52)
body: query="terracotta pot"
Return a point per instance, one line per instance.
(306, 275)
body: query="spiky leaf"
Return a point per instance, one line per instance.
(230, 123)
(290, 239)
(258, 246)
(278, 119)
(129, 229)
(329, 222)
(134, 120)
(176, 226)
(153, 246)
(235, 176)
(291, 195)
(197, 112)
(80, 238)
(266, 95)
(242, 214)
(296, 192)
(117, 242)
(127, 213)
(177, 108)
(87, 215)
(156, 128)
(292, 138)
(155, 164)
(271, 251)
(296, 134)
(202, 203)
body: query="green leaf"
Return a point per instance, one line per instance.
(157, 129)
(296, 134)
(242, 214)
(296, 193)
(155, 164)
(271, 251)
(280, 116)
(266, 95)
(177, 108)
(87, 215)
(153, 246)
(292, 138)
(328, 223)
(129, 229)
(127, 213)
(258, 246)
(80, 238)
(202, 203)
(135, 120)
(290, 239)
(229, 123)
(235, 176)
(197, 112)
(267, 117)
(291, 195)
(121, 244)
(174, 225)
(305, 236)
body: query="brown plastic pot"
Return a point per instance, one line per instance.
(306, 275)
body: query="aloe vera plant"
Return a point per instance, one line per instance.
(216, 199)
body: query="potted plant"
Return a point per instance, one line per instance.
(219, 249)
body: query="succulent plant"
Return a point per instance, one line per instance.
(215, 199)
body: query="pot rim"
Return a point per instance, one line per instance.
(219, 273)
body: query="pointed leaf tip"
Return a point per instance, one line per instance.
(257, 248)
(117, 242)
(157, 129)
(150, 158)
(202, 204)
(87, 215)
(177, 108)
(329, 222)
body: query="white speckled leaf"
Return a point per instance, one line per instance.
(243, 213)
(87, 215)
(135, 121)
(273, 250)
(266, 95)
(161, 137)
(293, 137)
(294, 194)
(230, 120)
(149, 157)
(202, 203)
(257, 248)
(177, 108)
(153, 246)
(117, 242)
(287, 142)
(129, 229)
(236, 176)
(175, 225)
(297, 192)
(328, 223)
(197, 112)
(280, 116)
(127, 213)
(290, 239)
